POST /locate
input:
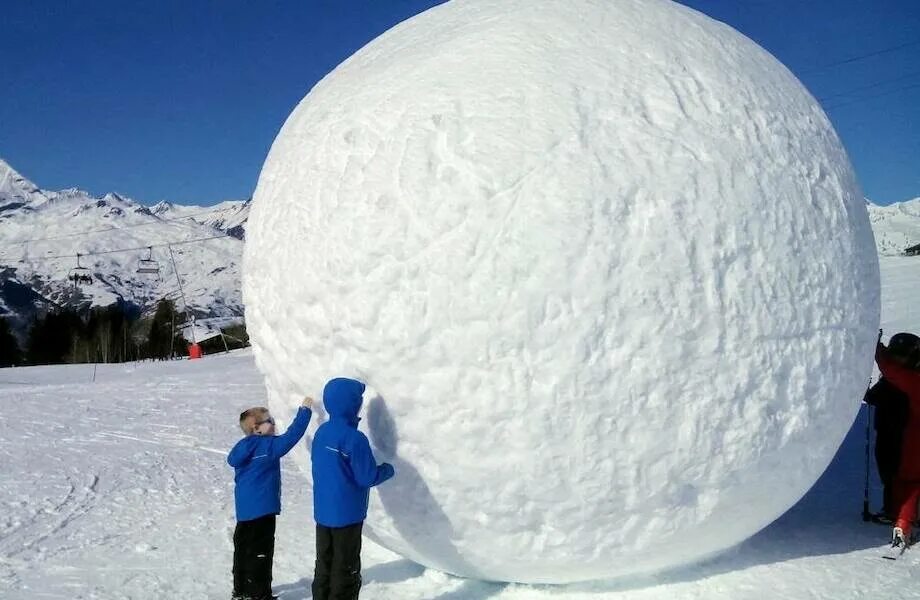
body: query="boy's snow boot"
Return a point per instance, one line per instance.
(897, 538)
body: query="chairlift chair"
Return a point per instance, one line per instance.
(148, 265)
(80, 274)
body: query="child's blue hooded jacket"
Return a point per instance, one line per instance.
(344, 468)
(256, 460)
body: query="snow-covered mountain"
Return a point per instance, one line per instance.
(229, 216)
(41, 233)
(17, 192)
(896, 226)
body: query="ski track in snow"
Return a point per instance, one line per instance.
(119, 489)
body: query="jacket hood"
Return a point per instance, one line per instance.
(342, 398)
(243, 450)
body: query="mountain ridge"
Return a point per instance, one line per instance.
(42, 232)
(896, 226)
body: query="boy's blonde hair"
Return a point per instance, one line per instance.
(249, 417)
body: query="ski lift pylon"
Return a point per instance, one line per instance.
(148, 265)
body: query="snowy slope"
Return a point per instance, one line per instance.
(42, 231)
(17, 192)
(896, 226)
(229, 216)
(118, 488)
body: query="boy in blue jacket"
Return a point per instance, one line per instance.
(344, 470)
(256, 460)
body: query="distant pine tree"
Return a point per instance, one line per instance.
(10, 354)
(54, 337)
(106, 334)
(162, 340)
(102, 334)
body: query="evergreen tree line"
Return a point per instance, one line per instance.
(105, 335)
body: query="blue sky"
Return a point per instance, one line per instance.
(180, 100)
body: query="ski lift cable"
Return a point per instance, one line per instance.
(860, 57)
(873, 96)
(117, 250)
(102, 230)
(869, 86)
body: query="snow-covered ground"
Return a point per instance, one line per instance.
(118, 488)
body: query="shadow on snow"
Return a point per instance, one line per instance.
(826, 521)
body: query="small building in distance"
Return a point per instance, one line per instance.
(912, 251)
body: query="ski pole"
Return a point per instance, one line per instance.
(866, 515)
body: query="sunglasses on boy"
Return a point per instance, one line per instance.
(269, 420)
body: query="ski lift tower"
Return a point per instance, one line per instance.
(194, 349)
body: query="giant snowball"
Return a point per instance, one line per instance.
(604, 266)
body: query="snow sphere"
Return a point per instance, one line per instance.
(604, 266)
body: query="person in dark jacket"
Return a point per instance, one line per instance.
(256, 460)
(344, 470)
(901, 370)
(891, 410)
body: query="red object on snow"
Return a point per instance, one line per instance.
(194, 351)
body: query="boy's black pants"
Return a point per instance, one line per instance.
(338, 562)
(253, 553)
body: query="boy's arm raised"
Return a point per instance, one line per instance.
(282, 444)
(364, 466)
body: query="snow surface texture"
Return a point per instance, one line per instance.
(604, 266)
(118, 489)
